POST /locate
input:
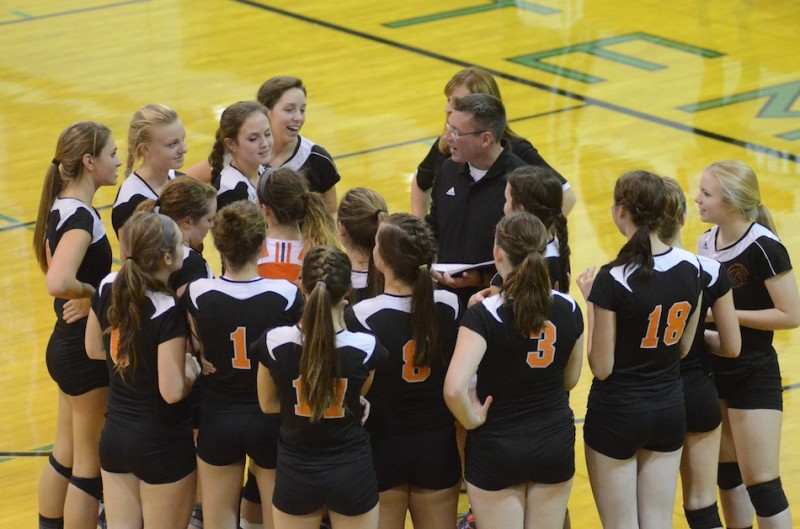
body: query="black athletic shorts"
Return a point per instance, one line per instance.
(537, 451)
(159, 456)
(428, 460)
(621, 434)
(225, 437)
(67, 362)
(758, 388)
(701, 402)
(344, 483)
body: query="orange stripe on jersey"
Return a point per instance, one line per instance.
(281, 260)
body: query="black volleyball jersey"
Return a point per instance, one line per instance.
(651, 315)
(405, 398)
(133, 191)
(229, 316)
(233, 186)
(716, 283)
(315, 164)
(279, 349)
(71, 214)
(757, 256)
(136, 398)
(194, 267)
(524, 374)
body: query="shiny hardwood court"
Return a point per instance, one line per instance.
(599, 87)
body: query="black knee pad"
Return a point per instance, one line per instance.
(705, 518)
(768, 498)
(91, 486)
(58, 467)
(250, 491)
(728, 475)
(51, 523)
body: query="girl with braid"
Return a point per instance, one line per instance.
(136, 325)
(537, 190)
(73, 251)
(643, 314)
(524, 344)
(314, 374)
(156, 137)
(241, 147)
(412, 432)
(360, 212)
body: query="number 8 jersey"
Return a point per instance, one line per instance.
(651, 314)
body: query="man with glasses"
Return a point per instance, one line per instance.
(468, 193)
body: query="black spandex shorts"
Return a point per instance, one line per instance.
(67, 362)
(701, 402)
(428, 460)
(344, 483)
(155, 457)
(756, 388)
(620, 434)
(226, 436)
(540, 451)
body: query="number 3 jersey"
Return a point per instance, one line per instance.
(651, 315)
(524, 374)
(406, 398)
(280, 349)
(229, 316)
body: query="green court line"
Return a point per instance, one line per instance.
(792, 135)
(496, 4)
(24, 17)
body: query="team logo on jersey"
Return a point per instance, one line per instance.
(451, 192)
(739, 274)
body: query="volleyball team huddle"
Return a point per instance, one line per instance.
(337, 363)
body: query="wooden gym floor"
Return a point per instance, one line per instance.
(599, 87)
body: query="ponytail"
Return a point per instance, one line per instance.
(317, 226)
(522, 237)
(325, 278)
(319, 360)
(637, 252)
(424, 323)
(217, 159)
(53, 185)
(564, 252)
(764, 217)
(643, 195)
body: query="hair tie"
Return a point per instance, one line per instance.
(425, 266)
(379, 211)
(157, 206)
(322, 282)
(56, 162)
(129, 258)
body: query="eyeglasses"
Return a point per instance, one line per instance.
(456, 134)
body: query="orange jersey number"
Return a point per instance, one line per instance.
(546, 351)
(239, 339)
(412, 373)
(676, 322)
(335, 411)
